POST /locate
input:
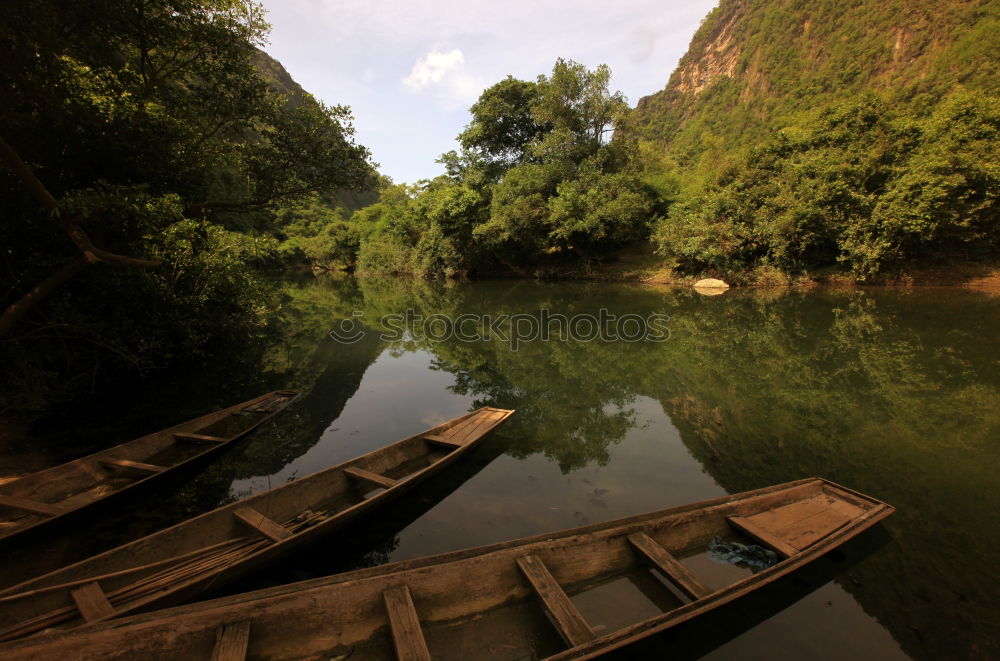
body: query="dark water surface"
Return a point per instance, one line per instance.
(893, 393)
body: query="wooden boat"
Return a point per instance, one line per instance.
(51, 496)
(491, 602)
(209, 550)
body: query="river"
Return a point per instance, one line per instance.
(895, 393)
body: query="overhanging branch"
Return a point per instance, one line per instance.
(91, 253)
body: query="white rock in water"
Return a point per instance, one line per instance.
(711, 283)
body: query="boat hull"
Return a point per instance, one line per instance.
(350, 613)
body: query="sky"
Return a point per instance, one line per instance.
(410, 69)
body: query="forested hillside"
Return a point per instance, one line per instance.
(873, 128)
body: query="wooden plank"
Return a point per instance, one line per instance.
(810, 530)
(749, 527)
(368, 476)
(265, 526)
(134, 465)
(406, 633)
(92, 602)
(477, 426)
(32, 506)
(565, 615)
(685, 581)
(231, 641)
(441, 440)
(184, 436)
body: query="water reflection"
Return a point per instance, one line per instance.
(896, 394)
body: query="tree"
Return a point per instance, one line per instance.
(503, 126)
(117, 106)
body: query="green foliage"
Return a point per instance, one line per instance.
(537, 179)
(503, 125)
(870, 187)
(151, 126)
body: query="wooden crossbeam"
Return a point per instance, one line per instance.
(231, 641)
(368, 476)
(197, 438)
(685, 581)
(269, 528)
(134, 465)
(565, 615)
(441, 440)
(32, 506)
(405, 625)
(92, 602)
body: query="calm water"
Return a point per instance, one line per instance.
(893, 393)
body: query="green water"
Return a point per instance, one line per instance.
(893, 393)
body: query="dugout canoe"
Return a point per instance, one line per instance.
(494, 601)
(210, 550)
(50, 497)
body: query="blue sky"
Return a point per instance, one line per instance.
(411, 69)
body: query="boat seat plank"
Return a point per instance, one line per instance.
(685, 581)
(565, 615)
(269, 528)
(810, 530)
(368, 476)
(748, 526)
(133, 465)
(92, 602)
(231, 641)
(32, 506)
(197, 438)
(476, 426)
(801, 524)
(441, 440)
(405, 625)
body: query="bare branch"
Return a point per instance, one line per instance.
(17, 310)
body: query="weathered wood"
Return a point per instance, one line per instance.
(306, 619)
(92, 602)
(405, 625)
(305, 508)
(441, 440)
(60, 491)
(232, 641)
(685, 581)
(567, 618)
(764, 536)
(133, 465)
(373, 478)
(32, 506)
(198, 438)
(265, 526)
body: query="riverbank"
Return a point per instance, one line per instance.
(639, 263)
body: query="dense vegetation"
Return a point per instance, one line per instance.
(156, 160)
(145, 158)
(805, 136)
(538, 184)
(794, 139)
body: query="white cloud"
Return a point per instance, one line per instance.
(432, 69)
(407, 63)
(443, 75)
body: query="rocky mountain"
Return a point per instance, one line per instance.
(759, 65)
